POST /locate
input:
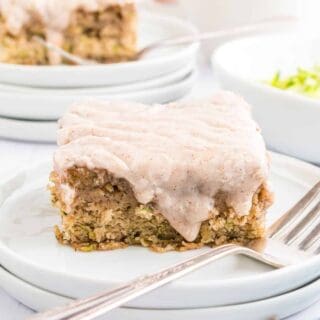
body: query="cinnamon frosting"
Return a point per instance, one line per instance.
(177, 156)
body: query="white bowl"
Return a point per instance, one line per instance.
(289, 121)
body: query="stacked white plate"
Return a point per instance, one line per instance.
(32, 98)
(42, 274)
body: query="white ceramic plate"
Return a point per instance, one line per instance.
(289, 121)
(25, 130)
(51, 106)
(29, 250)
(160, 81)
(279, 307)
(163, 61)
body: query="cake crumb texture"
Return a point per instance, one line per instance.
(104, 31)
(108, 217)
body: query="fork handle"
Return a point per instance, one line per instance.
(263, 25)
(90, 308)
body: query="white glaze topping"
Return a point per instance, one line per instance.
(177, 155)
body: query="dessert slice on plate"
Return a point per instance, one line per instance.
(168, 177)
(103, 30)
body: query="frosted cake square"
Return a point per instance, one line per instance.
(103, 30)
(168, 177)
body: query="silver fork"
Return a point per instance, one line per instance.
(295, 236)
(268, 24)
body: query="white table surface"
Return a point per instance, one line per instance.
(15, 155)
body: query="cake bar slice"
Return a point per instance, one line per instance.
(169, 177)
(103, 30)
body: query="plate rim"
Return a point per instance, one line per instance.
(190, 75)
(30, 288)
(184, 85)
(157, 82)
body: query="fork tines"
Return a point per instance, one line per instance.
(300, 226)
(312, 240)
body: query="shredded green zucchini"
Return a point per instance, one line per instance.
(304, 81)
